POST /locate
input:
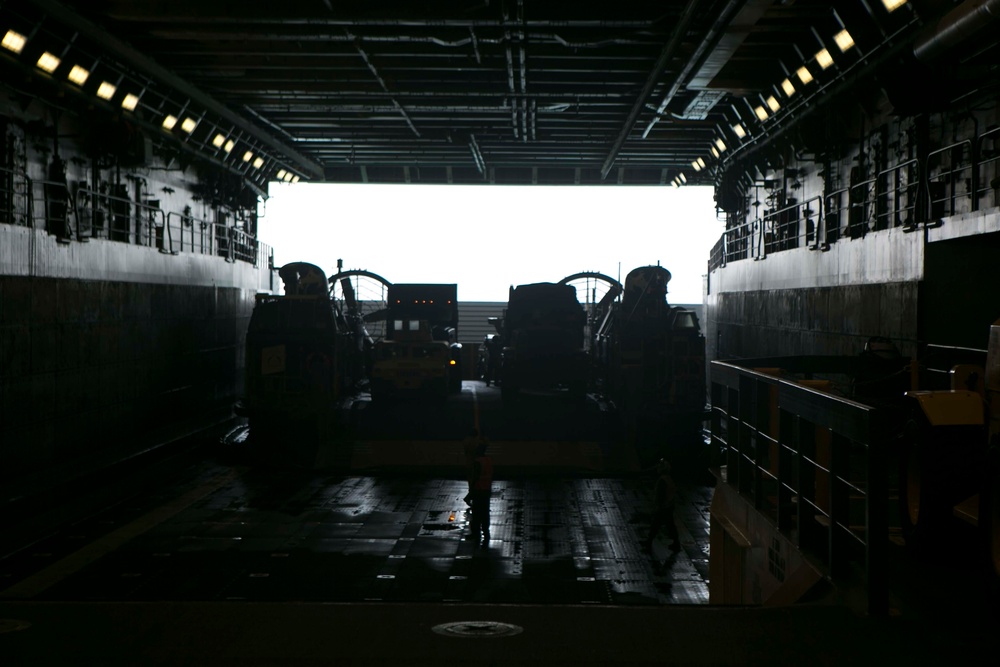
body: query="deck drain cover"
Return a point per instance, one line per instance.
(477, 629)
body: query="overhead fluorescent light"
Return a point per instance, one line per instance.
(844, 40)
(78, 75)
(281, 174)
(288, 177)
(715, 151)
(258, 163)
(189, 124)
(218, 141)
(701, 162)
(247, 156)
(48, 62)
(229, 145)
(295, 179)
(696, 166)
(772, 103)
(682, 177)
(805, 76)
(893, 5)
(674, 183)
(761, 113)
(130, 102)
(739, 131)
(169, 122)
(14, 41)
(824, 58)
(106, 90)
(787, 86)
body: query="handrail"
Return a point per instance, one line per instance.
(947, 179)
(814, 464)
(894, 197)
(781, 229)
(15, 199)
(833, 206)
(82, 214)
(982, 185)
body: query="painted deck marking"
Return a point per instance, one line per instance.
(40, 581)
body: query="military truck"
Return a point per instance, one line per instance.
(420, 355)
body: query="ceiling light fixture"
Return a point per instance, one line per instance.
(130, 102)
(893, 5)
(78, 75)
(824, 58)
(169, 122)
(247, 156)
(696, 166)
(295, 179)
(787, 86)
(106, 90)
(229, 146)
(218, 141)
(281, 174)
(189, 124)
(844, 40)
(720, 144)
(14, 41)
(805, 76)
(48, 62)
(715, 152)
(739, 131)
(772, 103)
(682, 177)
(258, 163)
(761, 113)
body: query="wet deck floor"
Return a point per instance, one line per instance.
(239, 534)
(569, 513)
(203, 559)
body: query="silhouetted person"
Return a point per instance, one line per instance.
(481, 483)
(664, 501)
(493, 352)
(469, 448)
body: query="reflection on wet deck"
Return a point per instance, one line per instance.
(295, 536)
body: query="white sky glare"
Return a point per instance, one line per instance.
(486, 238)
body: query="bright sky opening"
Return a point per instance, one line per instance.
(488, 238)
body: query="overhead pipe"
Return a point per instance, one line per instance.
(955, 27)
(695, 59)
(385, 87)
(690, 11)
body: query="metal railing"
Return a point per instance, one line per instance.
(796, 225)
(959, 178)
(15, 198)
(717, 256)
(815, 464)
(834, 208)
(949, 171)
(987, 174)
(82, 214)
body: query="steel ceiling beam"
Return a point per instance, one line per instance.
(666, 55)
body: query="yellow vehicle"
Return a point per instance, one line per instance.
(420, 354)
(950, 463)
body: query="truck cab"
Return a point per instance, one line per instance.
(420, 354)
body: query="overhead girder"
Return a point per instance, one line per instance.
(523, 89)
